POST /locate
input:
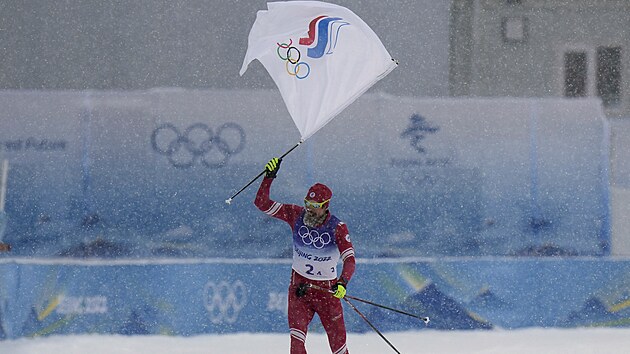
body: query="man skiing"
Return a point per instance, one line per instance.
(320, 240)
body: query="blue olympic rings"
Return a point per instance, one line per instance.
(198, 142)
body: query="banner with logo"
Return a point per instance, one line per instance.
(146, 173)
(40, 298)
(321, 56)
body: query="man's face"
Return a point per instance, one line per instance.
(315, 212)
(315, 209)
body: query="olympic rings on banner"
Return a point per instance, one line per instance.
(313, 237)
(292, 57)
(224, 301)
(198, 141)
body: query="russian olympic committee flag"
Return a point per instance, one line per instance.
(321, 56)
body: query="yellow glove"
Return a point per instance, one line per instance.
(339, 290)
(272, 167)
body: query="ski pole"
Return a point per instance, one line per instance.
(229, 200)
(371, 325)
(423, 319)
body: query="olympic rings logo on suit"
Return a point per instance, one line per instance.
(198, 142)
(313, 237)
(224, 301)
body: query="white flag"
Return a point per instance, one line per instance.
(321, 56)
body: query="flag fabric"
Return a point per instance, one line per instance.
(321, 56)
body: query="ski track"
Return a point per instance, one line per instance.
(533, 340)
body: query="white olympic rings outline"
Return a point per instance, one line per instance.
(167, 140)
(224, 301)
(313, 237)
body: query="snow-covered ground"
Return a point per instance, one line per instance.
(554, 341)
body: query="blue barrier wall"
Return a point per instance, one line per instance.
(145, 174)
(190, 297)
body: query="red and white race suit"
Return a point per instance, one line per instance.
(316, 252)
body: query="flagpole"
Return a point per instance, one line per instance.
(229, 200)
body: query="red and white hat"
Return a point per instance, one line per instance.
(318, 193)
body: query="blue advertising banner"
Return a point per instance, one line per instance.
(145, 174)
(225, 296)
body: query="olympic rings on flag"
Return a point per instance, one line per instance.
(313, 237)
(224, 301)
(292, 56)
(198, 142)
(288, 57)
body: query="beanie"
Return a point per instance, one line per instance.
(319, 193)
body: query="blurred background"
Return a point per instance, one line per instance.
(126, 125)
(485, 181)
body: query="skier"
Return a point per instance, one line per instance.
(319, 240)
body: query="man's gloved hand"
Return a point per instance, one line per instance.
(272, 167)
(339, 290)
(301, 290)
